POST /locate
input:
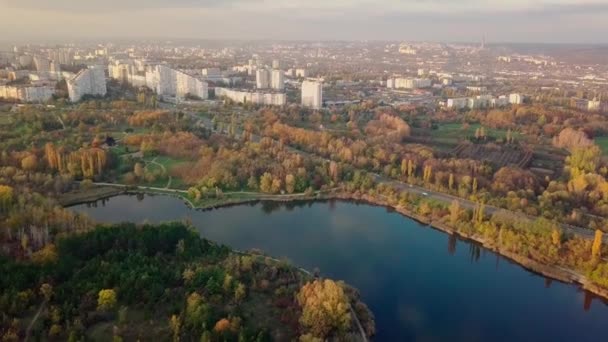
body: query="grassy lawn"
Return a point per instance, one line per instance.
(602, 142)
(455, 131)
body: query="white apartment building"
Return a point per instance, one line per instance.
(257, 97)
(262, 79)
(170, 82)
(276, 64)
(212, 72)
(278, 80)
(594, 105)
(457, 103)
(408, 83)
(121, 72)
(27, 93)
(312, 94)
(91, 81)
(516, 99)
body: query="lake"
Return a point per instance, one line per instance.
(420, 283)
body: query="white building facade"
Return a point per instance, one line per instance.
(312, 94)
(91, 81)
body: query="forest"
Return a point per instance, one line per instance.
(129, 282)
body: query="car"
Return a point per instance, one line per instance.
(425, 194)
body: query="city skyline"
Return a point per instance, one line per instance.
(436, 20)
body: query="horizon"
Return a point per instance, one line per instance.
(412, 20)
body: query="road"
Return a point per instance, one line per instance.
(587, 233)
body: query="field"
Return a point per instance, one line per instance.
(498, 156)
(455, 131)
(602, 142)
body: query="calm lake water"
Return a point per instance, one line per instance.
(421, 284)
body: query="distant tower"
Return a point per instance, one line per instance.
(483, 41)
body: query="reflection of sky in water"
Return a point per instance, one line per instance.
(418, 286)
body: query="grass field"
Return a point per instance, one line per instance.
(602, 142)
(455, 131)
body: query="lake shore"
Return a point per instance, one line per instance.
(551, 271)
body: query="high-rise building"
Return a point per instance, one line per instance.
(278, 80)
(170, 82)
(276, 64)
(262, 79)
(257, 97)
(91, 81)
(312, 94)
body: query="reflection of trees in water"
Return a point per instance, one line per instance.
(140, 196)
(452, 240)
(548, 282)
(332, 205)
(474, 252)
(269, 207)
(587, 301)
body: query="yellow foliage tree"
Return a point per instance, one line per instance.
(325, 308)
(106, 299)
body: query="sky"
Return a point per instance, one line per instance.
(531, 21)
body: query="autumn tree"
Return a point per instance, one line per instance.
(30, 162)
(325, 308)
(454, 212)
(596, 248)
(106, 300)
(6, 197)
(290, 183)
(266, 182)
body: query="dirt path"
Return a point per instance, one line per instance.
(28, 331)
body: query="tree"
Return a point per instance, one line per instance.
(138, 170)
(29, 163)
(596, 248)
(325, 308)
(6, 197)
(239, 292)
(454, 212)
(175, 325)
(290, 183)
(46, 290)
(222, 325)
(451, 182)
(266, 182)
(106, 300)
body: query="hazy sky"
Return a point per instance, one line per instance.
(584, 21)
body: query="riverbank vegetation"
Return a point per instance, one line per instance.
(128, 282)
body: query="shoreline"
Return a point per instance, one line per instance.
(555, 272)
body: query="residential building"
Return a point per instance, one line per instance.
(276, 64)
(262, 79)
(594, 105)
(278, 80)
(457, 103)
(257, 97)
(312, 94)
(516, 99)
(27, 93)
(409, 83)
(174, 83)
(91, 81)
